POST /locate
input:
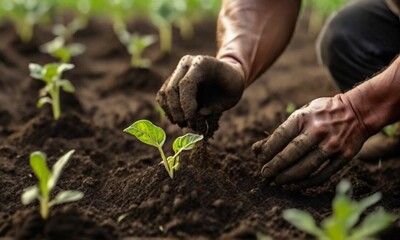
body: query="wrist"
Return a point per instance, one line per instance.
(376, 101)
(236, 64)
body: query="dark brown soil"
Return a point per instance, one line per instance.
(218, 193)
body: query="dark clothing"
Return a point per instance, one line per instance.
(394, 5)
(359, 41)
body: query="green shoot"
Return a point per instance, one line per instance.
(136, 45)
(344, 221)
(58, 49)
(290, 108)
(25, 14)
(152, 135)
(51, 75)
(47, 182)
(392, 130)
(66, 32)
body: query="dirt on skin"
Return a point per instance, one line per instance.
(217, 193)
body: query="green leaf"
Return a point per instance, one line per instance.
(373, 224)
(42, 101)
(38, 164)
(147, 133)
(35, 70)
(57, 169)
(67, 86)
(303, 221)
(65, 67)
(173, 163)
(186, 142)
(76, 49)
(30, 194)
(66, 196)
(290, 108)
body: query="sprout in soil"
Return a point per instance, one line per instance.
(47, 182)
(25, 14)
(58, 49)
(152, 135)
(344, 223)
(51, 75)
(136, 45)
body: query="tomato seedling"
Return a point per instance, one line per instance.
(25, 14)
(57, 48)
(51, 75)
(136, 45)
(152, 135)
(47, 182)
(344, 221)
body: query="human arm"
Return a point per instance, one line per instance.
(319, 139)
(251, 35)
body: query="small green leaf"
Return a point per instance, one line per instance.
(303, 221)
(66, 196)
(374, 223)
(147, 133)
(38, 164)
(42, 101)
(67, 86)
(36, 70)
(186, 142)
(290, 108)
(65, 67)
(173, 163)
(30, 194)
(76, 49)
(57, 169)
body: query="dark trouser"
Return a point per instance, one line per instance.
(359, 41)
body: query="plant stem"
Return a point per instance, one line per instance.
(165, 162)
(165, 31)
(55, 95)
(44, 207)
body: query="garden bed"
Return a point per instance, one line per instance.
(219, 194)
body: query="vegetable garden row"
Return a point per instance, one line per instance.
(74, 75)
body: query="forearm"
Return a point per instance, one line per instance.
(377, 101)
(253, 33)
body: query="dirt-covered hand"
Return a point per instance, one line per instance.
(201, 85)
(313, 143)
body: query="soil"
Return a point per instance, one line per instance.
(217, 193)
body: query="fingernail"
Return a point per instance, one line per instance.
(266, 172)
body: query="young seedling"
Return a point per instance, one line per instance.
(136, 45)
(51, 75)
(344, 221)
(47, 182)
(58, 49)
(152, 135)
(290, 108)
(25, 14)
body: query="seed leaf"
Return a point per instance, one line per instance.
(66, 196)
(303, 221)
(42, 101)
(37, 161)
(373, 224)
(36, 70)
(57, 169)
(30, 194)
(186, 142)
(147, 133)
(67, 86)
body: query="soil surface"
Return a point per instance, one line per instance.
(217, 194)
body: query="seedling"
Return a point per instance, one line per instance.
(51, 75)
(344, 221)
(25, 14)
(47, 182)
(58, 49)
(136, 45)
(152, 135)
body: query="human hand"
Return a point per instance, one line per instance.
(313, 143)
(201, 85)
